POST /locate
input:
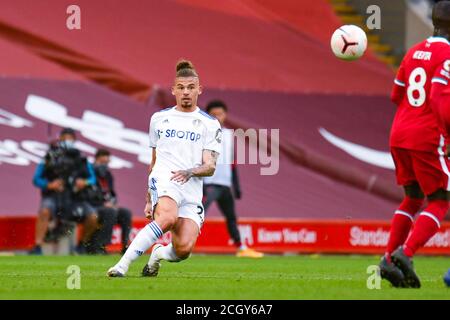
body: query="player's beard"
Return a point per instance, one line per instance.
(186, 103)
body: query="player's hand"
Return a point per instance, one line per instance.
(56, 185)
(148, 210)
(181, 176)
(80, 184)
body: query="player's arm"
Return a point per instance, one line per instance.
(211, 148)
(209, 160)
(437, 95)
(150, 168)
(399, 89)
(440, 95)
(154, 136)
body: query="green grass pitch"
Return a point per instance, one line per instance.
(215, 277)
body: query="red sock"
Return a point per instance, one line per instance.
(424, 229)
(400, 227)
(401, 223)
(426, 226)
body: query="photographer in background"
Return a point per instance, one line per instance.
(106, 204)
(64, 177)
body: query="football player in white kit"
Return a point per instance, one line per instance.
(186, 143)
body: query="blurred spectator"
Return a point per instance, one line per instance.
(64, 177)
(218, 187)
(106, 204)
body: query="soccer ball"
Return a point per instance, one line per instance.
(349, 42)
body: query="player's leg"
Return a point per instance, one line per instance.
(46, 211)
(400, 228)
(403, 216)
(184, 237)
(425, 228)
(433, 175)
(166, 213)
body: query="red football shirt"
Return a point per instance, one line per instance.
(415, 125)
(440, 96)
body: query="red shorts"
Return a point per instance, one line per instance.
(429, 169)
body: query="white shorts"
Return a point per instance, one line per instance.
(189, 205)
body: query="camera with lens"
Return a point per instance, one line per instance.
(64, 163)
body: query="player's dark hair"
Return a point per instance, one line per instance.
(441, 15)
(216, 104)
(185, 68)
(101, 153)
(69, 131)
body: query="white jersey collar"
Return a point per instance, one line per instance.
(174, 109)
(437, 39)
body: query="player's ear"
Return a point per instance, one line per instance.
(200, 89)
(173, 90)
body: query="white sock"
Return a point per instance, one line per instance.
(167, 253)
(144, 240)
(242, 247)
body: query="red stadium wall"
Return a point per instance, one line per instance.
(267, 235)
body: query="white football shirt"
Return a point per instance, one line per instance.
(180, 138)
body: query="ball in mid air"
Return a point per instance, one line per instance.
(349, 42)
